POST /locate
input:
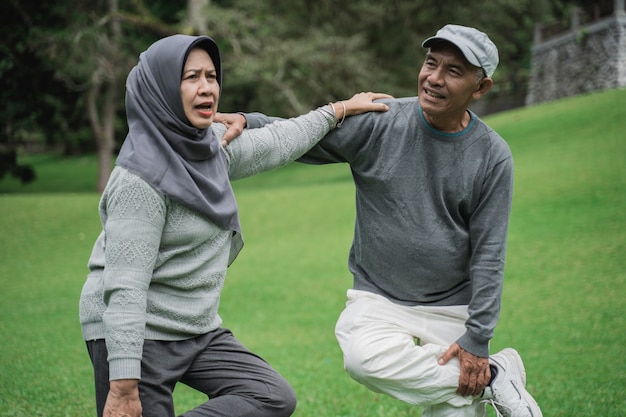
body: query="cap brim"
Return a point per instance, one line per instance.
(456, 41)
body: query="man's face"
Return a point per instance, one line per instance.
(447, 82)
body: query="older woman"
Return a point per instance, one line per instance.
(149, 307)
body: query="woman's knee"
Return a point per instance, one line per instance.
(281, 401)
(288, 401)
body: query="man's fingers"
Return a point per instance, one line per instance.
(452, 352)
(474, 374)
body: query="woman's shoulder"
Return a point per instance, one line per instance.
(123, 177)
(219, 129)
(126, 185)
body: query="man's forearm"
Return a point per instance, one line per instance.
(256, 119)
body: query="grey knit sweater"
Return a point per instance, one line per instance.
(157, 269)
(432, 211)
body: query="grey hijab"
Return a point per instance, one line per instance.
(163, 147)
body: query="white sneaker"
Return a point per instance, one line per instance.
(507, 392)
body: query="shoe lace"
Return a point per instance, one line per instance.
(495, 406)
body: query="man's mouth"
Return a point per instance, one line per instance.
(432, 93)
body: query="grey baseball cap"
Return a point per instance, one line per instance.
(475, 45)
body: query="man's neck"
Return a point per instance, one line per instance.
(449, 124)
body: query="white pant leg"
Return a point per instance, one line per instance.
(476, 409)
(377, 338)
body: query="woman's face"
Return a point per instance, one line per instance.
(199, 89)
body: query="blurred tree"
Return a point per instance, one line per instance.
(67, 64)
(285, 57)
(33, 100)
(63, 63)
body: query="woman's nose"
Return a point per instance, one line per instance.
(204, 86)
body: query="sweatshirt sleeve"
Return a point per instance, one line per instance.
(256, 120)
(135, 217)
(276, 144)
(488, 233)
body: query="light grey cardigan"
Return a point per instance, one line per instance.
(157, 269)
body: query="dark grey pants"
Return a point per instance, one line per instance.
(237, 382)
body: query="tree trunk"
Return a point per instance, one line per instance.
(102, 128)
(104, 80)
(196, 21)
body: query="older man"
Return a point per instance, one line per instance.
(434, 186)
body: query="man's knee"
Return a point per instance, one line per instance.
(361, 366)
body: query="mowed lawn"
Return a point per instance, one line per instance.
(563, 303)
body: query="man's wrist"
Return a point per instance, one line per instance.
(245, 119)
(475, 344)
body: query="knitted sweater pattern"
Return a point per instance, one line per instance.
(157, 269)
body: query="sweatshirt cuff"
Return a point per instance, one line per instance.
(124, 369)
(475, 344)
(255, 120)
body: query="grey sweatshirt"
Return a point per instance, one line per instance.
(432, 211)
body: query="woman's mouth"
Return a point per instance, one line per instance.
(205, 109)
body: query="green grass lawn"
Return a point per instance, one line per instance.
(563, 304)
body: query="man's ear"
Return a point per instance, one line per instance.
(483, 87)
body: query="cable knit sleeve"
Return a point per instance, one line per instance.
(133, 219)
(276, 144)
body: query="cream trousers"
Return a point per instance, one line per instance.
(393, 349)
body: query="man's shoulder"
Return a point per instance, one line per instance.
(411, 99)
(485, 130)
(497, 144)
(400, 102)
(404, 107)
